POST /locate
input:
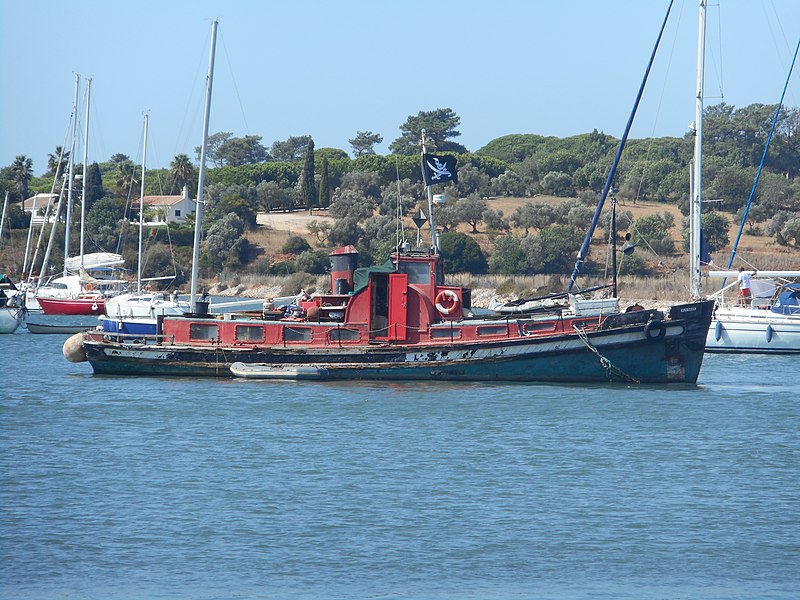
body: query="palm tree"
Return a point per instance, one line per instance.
(57, 160)
(182, 170)
(127, 179)
(22, 172)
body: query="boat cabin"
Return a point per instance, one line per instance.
(395, 301)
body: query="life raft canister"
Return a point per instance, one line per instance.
(447, 302)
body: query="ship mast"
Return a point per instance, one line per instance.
(696, 205)
(198, 219)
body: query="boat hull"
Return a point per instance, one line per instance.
(624, 354)
(131, 326)
(11, 318)
(72, 306)
(42, 328)
(754, 331)
(144, 306)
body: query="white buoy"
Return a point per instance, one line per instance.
(73, 348)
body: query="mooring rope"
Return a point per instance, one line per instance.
(610, 368)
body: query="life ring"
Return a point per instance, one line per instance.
(89, 287)
(451, 298)
(654, 330)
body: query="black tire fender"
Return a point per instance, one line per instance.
(655, 330)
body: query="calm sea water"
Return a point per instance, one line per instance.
(188, 488)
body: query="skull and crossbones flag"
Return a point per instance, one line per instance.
(439, 168)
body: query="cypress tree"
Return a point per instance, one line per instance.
(308, 189)
(324, 186)
(94, 185)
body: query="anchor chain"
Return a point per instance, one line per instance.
(605, 362)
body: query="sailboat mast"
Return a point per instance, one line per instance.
(198, 218)
(696, 205)
(3, 218)
(71, 171)
(85, 164)
(434, 241)
(141, 209)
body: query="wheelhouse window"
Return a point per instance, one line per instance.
(488, 330)
(418, 272)
(344, 335)
(203, 331)
(448, 333)
(249, 333)
(297, 334)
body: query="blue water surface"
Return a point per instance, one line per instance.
(158, 488)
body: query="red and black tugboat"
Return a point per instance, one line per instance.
(400, 321)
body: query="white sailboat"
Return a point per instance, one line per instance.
(12, 302)
(127, 321)
(769, 322)
(12, 307)
(87, 279)
(143, 304)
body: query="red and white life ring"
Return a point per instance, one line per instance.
(447, 302)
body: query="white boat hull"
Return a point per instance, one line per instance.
(11, 318)
(144, 306)
(753, 330)
(264, 371)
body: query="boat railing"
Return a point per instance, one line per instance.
(138, 338)
(719, 295)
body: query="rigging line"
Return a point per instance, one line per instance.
(47, 208)
(95, 126)
(129, 199)
(153, 151)
(721, 69)
(775, 40)
(660, 102)
(400, 234)
(632, 225)
(763, 159)
(182, 138)
(233, 80)
(172, 253)
(587, 240)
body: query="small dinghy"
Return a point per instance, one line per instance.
(61, 329)
(266, 371)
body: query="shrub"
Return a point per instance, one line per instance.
(295, 245)
(462, 254)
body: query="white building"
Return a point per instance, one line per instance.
(36, 206)
(169, 209)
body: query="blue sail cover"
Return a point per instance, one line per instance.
(788, 302)
(705, 256)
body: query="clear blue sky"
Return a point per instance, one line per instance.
(331, 68)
